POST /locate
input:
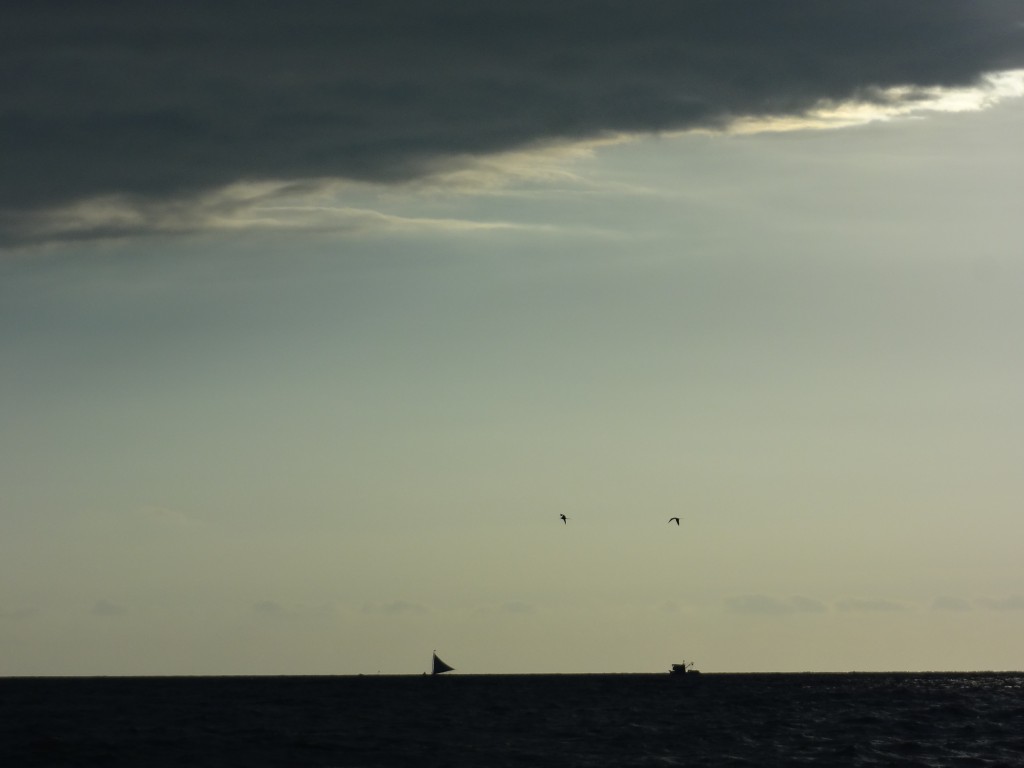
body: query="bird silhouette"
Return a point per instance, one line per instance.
(564, 519)
(674, 520)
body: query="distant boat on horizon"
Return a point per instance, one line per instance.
(439, 666)
(686, 668)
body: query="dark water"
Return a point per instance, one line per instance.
(534, 720)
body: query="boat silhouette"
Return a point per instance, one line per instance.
(684, 670)
(438, 667)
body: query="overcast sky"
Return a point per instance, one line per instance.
(314, 319)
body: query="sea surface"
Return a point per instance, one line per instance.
(598, 721)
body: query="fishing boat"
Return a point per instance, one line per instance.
(439, 666)
(685, 669)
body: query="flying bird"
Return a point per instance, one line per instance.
(674, 520)
(564, 519)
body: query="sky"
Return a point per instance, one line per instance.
(315, 318)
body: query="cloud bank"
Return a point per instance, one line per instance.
(160, 103)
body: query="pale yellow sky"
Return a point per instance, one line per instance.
(332, 449)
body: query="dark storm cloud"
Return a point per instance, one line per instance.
(163, 100)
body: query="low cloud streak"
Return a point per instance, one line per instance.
(774, 606)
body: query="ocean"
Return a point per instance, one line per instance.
(598, 721)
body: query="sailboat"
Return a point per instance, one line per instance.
(439, 666)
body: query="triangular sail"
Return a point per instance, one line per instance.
(440, 666)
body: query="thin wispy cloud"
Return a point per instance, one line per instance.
(170, 517)
(509, 607)
(16, 614)
(268, 608)
(105, 607)
(871, 605)
(808, 605)
(951, 604)
(517, 607)
(773, 606)
(242, 207)
(394, 608)
(1011, 603)
(226, 94)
